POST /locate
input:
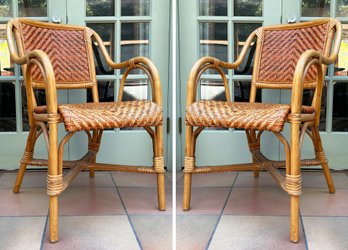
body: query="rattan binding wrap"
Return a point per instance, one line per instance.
(67, 50)
(260, 116)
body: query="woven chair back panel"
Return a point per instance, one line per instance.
(281, 49)
(67, 50)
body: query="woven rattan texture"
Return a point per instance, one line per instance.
(260, 116)
(106, 115)
(65, 48)
(281, 50)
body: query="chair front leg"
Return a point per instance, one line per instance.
(189, 166)
(158, 164)
(94, 145)
(294, 181)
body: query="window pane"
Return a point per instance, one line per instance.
(106, 92)
(213, 7)
(341, 67)
(135, 90)
(5, 8)
(135, 7)
(40, 99)
(6, 69)
(213, 90)
(307, 101)
(213, 42)
(106, 33)
(340, 107)
(32, 8)
(242, 91)
(100, 7)
(248, 7)
(241, 33)
(342, 8)
(134, 42)
(316, 8)
(7, 107)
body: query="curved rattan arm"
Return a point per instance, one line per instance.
(137, 62)
(207, 62)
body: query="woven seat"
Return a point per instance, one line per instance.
(106, 115)
(290, 57)
(56, 57)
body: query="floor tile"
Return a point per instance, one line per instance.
(194, 231)
(94, 232)
(211, 180)
(30, 180)
(153, 231)
(204, 200)
(100, 179)
(137, 180)
(247, 179)
(319, 202)
(258, 201)
(143, 200)
(317, 180)
(254, 232)
(21, 232)
(326, 232)
(28, 202)
(90, 201)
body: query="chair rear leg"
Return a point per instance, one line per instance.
(94, 145)
(254, 144)
(320, 155)
(27, 156)
(161, 191)
(189, 166)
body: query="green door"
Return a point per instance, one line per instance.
(218, 28)
(128, 28)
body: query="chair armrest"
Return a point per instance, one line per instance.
(137, 62)
(205, 63)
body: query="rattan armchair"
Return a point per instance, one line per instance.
(61, 57)
(291, 57)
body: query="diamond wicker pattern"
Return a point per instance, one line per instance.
(281, 50)
(260, 116)
(65, 48)
(104, 115)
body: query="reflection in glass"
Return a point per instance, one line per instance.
(7, 107)
(100, 7)
(135, 7)
(213, 90)
(319, 8)
(28, 8)
(340, 107)
(242, 91)
(40, 99)
(5, 8)
(106, 92)
(135, 90)
(134, 41)
(342, 8)
(307, 101)
(241, 33)
(213, 7)
(6, 68)
(341, 67)
(106, 33)
(213, 42)
(248, 7)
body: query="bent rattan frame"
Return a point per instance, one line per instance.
(305, 69)
(44, 68)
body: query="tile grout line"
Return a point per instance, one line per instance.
(125, 209)
(304, 232)
(222, 210)
(44, 232)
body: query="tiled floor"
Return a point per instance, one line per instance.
(238, 211)
(109, 211)
(228, 211)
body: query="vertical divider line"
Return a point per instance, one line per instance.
(174, 125)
